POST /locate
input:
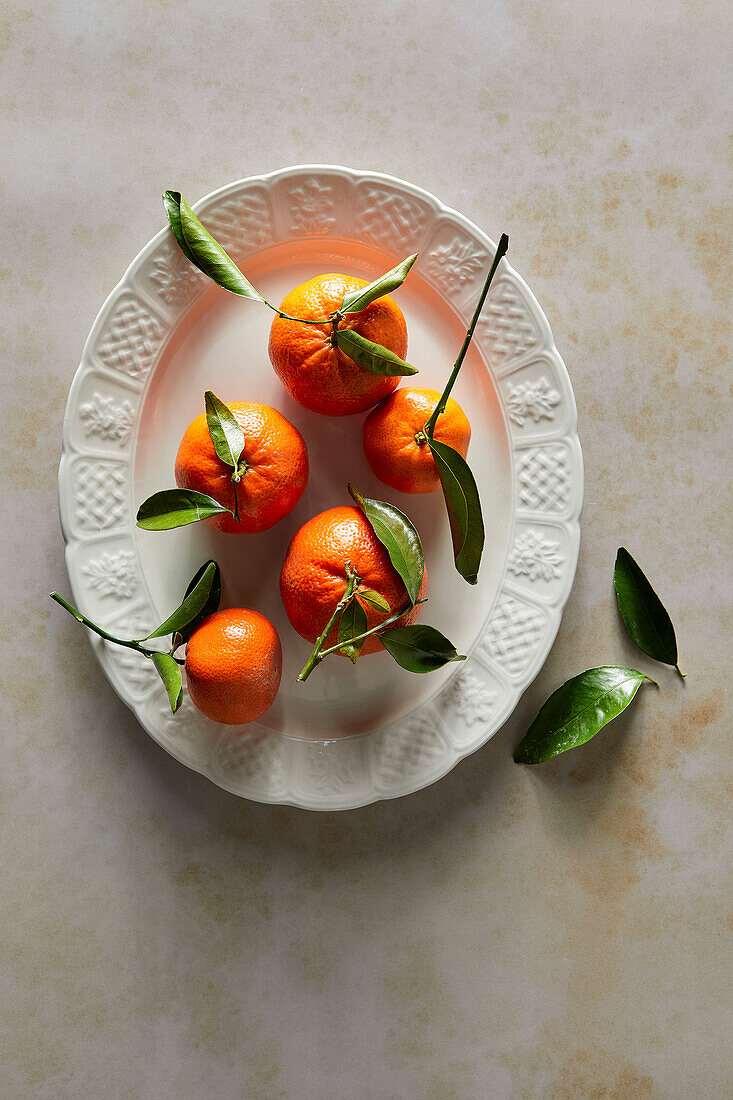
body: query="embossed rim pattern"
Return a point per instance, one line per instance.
(96, 491)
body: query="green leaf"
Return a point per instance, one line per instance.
(643, 613)
(359, 299)
(211, 605)
(172, 204)
(193, 604)
(370, 356)
(419, 648)
(170, 673)
(399, 537)
(207, 253)
(224, 429)
(464, 508)
(176, 508)
(577, 711)
(373, 599)
(353, 622)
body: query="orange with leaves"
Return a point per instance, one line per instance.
(313, 578)
(234, 665)
(273, 464)
(395, 443)
(318, 375)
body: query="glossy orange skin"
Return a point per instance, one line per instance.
(233, 666)
(313, 580)
(319, 376)
(277, 472)
(390, 443)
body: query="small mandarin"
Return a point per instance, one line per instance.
(276, 472)
(317, 375)
(234, 665)
(392, 438)
(313, 579)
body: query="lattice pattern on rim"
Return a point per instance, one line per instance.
(131, 338)
(544, 475)
(95, 492)
(99, 491)
(508, 328)
(390, 218)
(512, 635)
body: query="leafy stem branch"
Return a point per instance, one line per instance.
(460, 491)
(201, 599)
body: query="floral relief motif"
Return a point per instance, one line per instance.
(312, 206)
(456, 263)
(470, 697)
(113, 574)
(176, 279)
(109, 421)
(535, 557)
(333, 769)
(532, 399)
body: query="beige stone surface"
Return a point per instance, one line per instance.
(554, 932)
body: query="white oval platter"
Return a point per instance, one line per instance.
(350, 735)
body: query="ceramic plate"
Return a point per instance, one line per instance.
(351, 734)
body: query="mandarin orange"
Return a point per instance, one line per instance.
(315, 373)
(276, 471)
(313, 578)
(395, 445)
(234, 665)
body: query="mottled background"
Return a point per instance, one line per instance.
(509, 932)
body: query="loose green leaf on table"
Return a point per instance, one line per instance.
(193, 604)
(577, 711)
(643, 613)
(353, 622)
(170, 673)
(370, 356)
(176, 508)
(374, 600)
(362, 297)
(203, 250)
(464, 508)
(399, 537)
(224, 429)
(211, 605)
(419, 648)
